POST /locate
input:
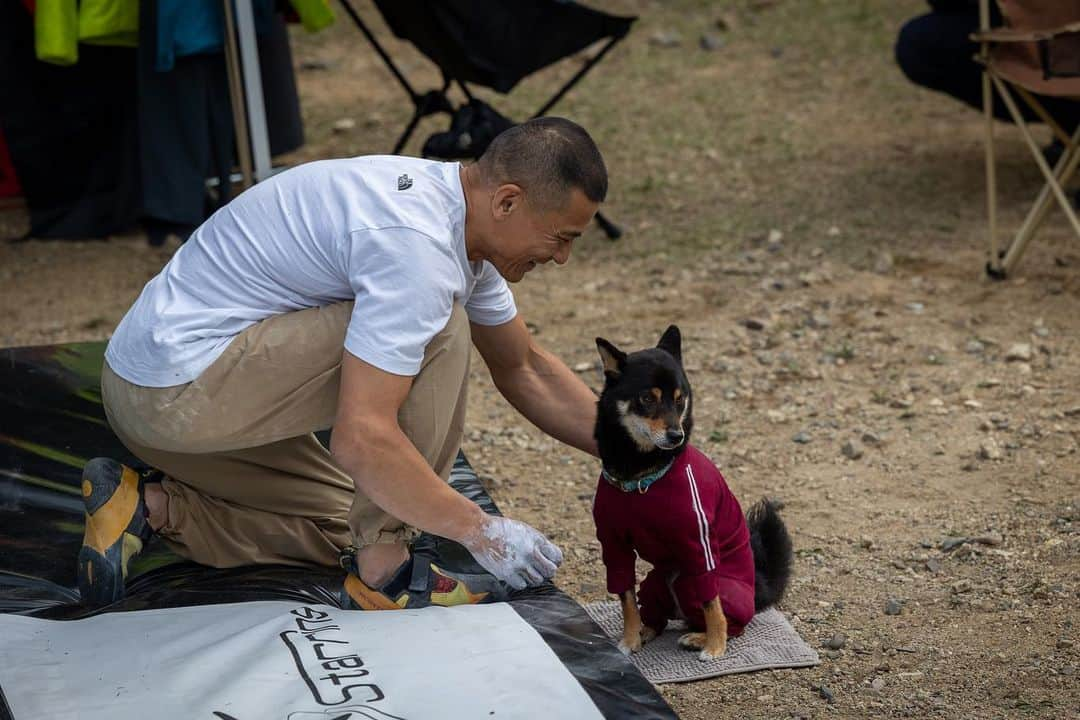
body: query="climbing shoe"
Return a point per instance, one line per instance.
(418, 583)
(116, 528)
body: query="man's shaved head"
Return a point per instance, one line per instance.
(547, 157)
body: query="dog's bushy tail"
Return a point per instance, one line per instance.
(771, 545)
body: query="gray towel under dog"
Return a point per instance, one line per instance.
(769, 641)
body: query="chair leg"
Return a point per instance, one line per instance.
(613, 231)
(1051, 180)
(1063, 170)
(993, 267)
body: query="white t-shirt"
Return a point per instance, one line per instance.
(386, 231)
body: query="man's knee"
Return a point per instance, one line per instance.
(915, 51)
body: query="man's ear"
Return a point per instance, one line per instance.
(613, 358)
(671, 341)
(506, 199)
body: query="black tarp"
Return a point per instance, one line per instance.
(51, 422)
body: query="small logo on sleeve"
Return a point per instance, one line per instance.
(404, 182)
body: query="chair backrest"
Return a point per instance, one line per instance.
(1035, 15)
(1050, 66)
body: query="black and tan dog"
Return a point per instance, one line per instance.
(661, 499)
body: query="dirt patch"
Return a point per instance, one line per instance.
(920, 424)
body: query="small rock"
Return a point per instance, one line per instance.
(884, 263)
(852, 450)
(961, 586)
(933, 565)
(989, 450)
(916, 308)
(1064, 644)
(992, 538)
(307, 65)
(951, 543)
(872, 439)
(974, 347)
(753, 324)
(343, 125)
(774, 242)
(818, 321)
(893, 606)
(801, 438)
(836, 642)
(866, 543)
(877, 684)
(711, 42)
(1020, 352)
(826, 694)
(664, 39)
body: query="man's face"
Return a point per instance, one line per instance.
(527, 236)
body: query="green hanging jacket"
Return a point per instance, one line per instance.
(60, 25)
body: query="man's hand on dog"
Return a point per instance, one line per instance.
(515, 553)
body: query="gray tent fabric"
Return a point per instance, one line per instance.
(769, 642)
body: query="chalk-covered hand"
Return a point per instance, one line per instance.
(514, 552)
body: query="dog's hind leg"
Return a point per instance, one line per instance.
(631, 637)
(713, 642)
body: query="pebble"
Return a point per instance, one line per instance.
(916, 308)
(664, 39)
(877, 684)
(711, 42)
(961, 586)
(951, 543)
(343, 125)
(933, 565)
(1020, 352)
(826, 694)
(836, 642)
(774, 243)
(852, 450)
(884, 263)
(753, 324)
(801, 437)
(307, 65)
(974, 347)
(893, 606)
(871, 438)
(992, 538)
(989, 450)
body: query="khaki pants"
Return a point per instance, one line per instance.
(248, 482)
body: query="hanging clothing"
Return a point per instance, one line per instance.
(186, 130)
(60, 25)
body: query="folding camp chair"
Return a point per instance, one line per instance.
(494, 44)
(1036, 52)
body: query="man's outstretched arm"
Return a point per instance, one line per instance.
(539, 385)
(371, 447)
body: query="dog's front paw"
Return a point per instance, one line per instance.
(708, 653)
(632, 645)
(648, 634)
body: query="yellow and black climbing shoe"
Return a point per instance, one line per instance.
(418, 583)
(116, 529)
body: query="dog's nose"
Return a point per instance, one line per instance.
(675, 436)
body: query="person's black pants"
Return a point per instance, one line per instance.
(934, 51)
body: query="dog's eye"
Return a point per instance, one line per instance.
(646, 398)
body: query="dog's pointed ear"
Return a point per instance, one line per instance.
(614, 359)
(671, 341)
